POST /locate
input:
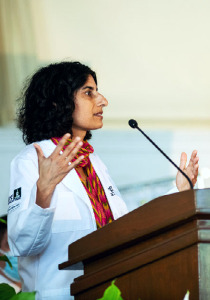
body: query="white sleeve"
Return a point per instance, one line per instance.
(29, 225)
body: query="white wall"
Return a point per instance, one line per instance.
(152, 57)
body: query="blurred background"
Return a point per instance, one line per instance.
(153, 64)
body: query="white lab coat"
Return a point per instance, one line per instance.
(41, 236)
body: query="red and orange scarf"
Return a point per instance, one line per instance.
(93, 186)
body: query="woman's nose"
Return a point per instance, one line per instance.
(102, 100)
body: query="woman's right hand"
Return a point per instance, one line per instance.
(54, 168)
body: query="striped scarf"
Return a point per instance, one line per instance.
(85, 150)
(93, 186)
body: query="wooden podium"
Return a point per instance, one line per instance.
(156, 252)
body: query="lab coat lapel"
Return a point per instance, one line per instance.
(106, 183)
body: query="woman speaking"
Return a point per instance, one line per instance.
(60, 189)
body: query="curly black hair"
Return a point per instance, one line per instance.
(47, 101)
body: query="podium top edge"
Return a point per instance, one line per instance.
(161, 213)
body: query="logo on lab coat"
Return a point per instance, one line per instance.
(17, 194)
(13, 202)
(110, 188)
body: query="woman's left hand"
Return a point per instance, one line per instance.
(191, 171)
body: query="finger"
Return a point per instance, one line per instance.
(39, 152)
(73, 165)
(183, 161)
(74, 151)
(193, 167)
(192, 160)
(193, 157)
(194, 163)
(195, 171)
(194, 153)
(61, 144)
(76, 143)
(196, 160)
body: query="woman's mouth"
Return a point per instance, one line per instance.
(99, 115)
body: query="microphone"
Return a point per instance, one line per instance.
(134, 124)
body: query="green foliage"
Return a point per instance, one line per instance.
(3, 221)
(112, 293)
(5, 258)
(24, 296)
(6, 291)
(187, 296)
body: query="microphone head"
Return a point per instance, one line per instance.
(133, 123)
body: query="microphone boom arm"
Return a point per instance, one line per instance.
(134, 124)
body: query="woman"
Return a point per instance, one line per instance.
(60, 190)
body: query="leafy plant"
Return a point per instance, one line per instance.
(8, 293)
(187, 296)
(6, 259)
(24, 296)
(3, 221)
(112, 293)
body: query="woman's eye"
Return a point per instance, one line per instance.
(88, 93)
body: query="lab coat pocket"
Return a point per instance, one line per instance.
(66, 208)
(69, 225)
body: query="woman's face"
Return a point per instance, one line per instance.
(88, 113)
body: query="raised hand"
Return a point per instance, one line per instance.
(191, 170)
(54, 168)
